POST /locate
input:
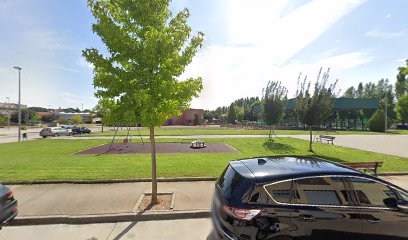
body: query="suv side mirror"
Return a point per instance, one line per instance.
(402, 205)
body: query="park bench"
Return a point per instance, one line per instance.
(327, 138)
(371, 166)
(188, 140)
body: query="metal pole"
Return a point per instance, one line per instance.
(386, 118)
(19, 102)
(19, 105)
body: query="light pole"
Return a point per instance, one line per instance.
(19, 102)
(385, 109)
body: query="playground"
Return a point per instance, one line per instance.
(140, 148)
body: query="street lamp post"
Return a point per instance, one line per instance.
(19, 102)
(385, 108)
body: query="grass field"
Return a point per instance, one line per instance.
(188, 131)
(54, 159)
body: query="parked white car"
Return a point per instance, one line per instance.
(68, 126)
(55, 132)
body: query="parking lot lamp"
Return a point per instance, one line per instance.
(19, 102)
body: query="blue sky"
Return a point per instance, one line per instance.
(248, 42)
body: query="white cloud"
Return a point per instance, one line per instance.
(230, 73)
(76, 100)
(388, 16)
(83, 63)
(260, 23)
(50, 40)
(376, 33)
(401, 60)
(261, 46)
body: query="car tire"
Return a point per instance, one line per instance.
(44, 136)
(56, 135)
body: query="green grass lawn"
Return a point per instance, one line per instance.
(188, 131)
(399, 131)
(50, 159)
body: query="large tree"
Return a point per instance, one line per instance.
(314, 107)
(402, 109)
(148, 49)
(401, 85)
(232, 114)
(273, 109)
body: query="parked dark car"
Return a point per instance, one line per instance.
(288, 198)
(81, 130)
(8, 205)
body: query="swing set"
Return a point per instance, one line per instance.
(127, 140)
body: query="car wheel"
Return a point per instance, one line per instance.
(44, 136)
(56, 135)
(69, 134)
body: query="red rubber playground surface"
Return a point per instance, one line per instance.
(120, 148)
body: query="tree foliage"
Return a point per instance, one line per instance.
(401, 85)
(377, 122)
(313, 108)
(76, 119)
(273, 109)
(4, 119)
(148, 49)
(402, 109)
(232, 114)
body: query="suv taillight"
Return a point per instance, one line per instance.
(9, 195)
(242, 213)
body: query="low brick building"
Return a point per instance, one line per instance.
(188, 117)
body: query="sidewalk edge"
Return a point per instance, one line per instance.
(109, 218)
(192, 179)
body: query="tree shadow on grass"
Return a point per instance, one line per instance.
(279, 148)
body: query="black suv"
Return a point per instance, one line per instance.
(8, 205)
(286, 198)
(81, 130)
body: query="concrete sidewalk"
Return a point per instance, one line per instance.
(91, 203)
(117, 198)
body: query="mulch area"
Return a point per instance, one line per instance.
(163, 203)
(120, 148)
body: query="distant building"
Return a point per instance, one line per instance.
(188, 117)
(11, 106)
(44, 114)
(86, 117)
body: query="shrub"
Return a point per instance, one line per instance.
(23, 127)
(376, 122)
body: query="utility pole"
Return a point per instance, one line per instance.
(385, 109)
(19, 102)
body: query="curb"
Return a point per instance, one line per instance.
(109, 218)
(193, 179)
(393, 174)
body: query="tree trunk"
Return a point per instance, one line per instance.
(102, 126)
(154, 177)
(311, 139)
(270, 129)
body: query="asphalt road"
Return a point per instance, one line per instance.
(186, 229)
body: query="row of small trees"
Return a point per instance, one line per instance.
(313, 103)
(392, 96)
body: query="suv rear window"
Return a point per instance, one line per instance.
(229, 180)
